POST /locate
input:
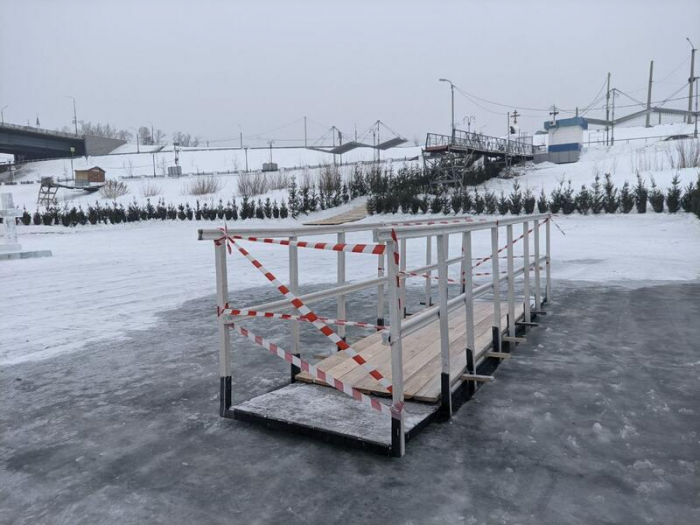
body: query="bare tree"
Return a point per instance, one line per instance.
(158, 136)
(184, 139)
(145, 135)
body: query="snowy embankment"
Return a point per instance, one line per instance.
(136, 171)
(105, 280)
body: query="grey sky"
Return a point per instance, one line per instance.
(208, 66)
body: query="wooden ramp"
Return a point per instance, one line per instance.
(355, 214)
(421, 355)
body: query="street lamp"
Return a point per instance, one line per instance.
(452, 89)
(469, 120)
(2, 115)
(75, 116)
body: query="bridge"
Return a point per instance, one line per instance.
(449, 155)
(29, 143)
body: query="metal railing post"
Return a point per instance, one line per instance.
(526, 274)
(538, 284)
(511, 287)
(398, 439)
(463, 267)
(496, 326)
(548, 255)
(445, 384)
(429, 279)
(469, 305)
(294, 287)
(404, 280)
(380, 289)
(225, 400)
(341, 281)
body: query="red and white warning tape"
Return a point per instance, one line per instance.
(440, 221)
(307, 313)
(485, 259)
(449, 279)
(375, 249)
(291, 317)
(397, 260)
(319, 374)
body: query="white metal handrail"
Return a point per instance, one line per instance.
(392, 273)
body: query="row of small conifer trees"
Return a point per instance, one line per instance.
(601, 197)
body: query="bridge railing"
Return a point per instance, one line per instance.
(33, 129)
(480, 142)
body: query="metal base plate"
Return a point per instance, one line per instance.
(325, 413)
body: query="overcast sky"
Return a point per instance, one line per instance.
(208, 66)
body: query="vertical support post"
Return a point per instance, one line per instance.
(294, 287)
(341, 281)
(445, 384)
(526, 274)
(428, 262)
(511, 287)
(463, 268)
(538, 284)
(404, 280)
(398, 438)
(224, 334)
(548, 255)
(380, 289)
(496, 326)
(651, 77)
(469, 304)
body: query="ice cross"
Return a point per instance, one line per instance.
(8, 212)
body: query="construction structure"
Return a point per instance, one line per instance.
(447, 156)
(381, 390)
(382, 138)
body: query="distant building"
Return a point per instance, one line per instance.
(564, 140)
(89, 176)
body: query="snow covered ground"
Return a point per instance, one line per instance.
(104, 280)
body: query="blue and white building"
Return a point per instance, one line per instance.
(564, 140)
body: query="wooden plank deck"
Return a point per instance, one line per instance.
(352, 215)
(421, 355)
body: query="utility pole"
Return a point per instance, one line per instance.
(554, 114)
(452, 89)
(612, 125)
(270, 142)
(651, 76)
(154, 165)
(2, 114)
(515, 117)
(75, 116)
(507, 139)
(340, 142)
(305, 140)
(695, 133)
(691, 78)
(607, 112)
(333, 128)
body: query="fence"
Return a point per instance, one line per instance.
(389, 249)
